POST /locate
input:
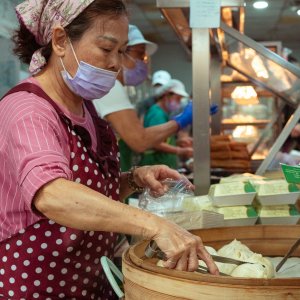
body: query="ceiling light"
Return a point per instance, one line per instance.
(260, 4)
(298, 12)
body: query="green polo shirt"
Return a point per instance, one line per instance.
(157, 116)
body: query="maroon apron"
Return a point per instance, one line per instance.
(50, 261)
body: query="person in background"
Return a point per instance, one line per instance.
(159, 78)
(117, 109)
(61, 186)
(169, 97)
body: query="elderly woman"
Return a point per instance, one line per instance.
(60, 181)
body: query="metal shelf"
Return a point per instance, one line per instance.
(197, 43)
(232, 125)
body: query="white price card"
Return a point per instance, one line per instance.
(205, 13)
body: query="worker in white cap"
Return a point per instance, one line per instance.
(159, 78)
(168, 100)
(117, 109)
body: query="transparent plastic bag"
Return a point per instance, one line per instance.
(171, 201)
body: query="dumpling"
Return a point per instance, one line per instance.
(262, 267)
(269, 267)
(235, 250)
(211, 250)
(224, 268)
(250, 270)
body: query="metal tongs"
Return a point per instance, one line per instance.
(289, 253)
(152, 250)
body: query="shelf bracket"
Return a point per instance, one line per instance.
(292, 122)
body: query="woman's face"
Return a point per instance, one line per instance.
(172, 102)
(135, 52)
(102, 45)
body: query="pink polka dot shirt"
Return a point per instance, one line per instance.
(34, 150)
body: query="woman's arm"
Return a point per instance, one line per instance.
(131, 130)
(77, 206)
(180, 151)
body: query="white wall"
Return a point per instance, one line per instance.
(9, 64)
(173, 58)
(296, 50)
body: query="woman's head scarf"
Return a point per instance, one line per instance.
(40, 16)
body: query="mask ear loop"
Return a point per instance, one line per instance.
(131, 58)
(74, 56)
(73, 51)
(63, 65)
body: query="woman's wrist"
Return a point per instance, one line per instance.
(152, 225)
(178, 151)
(131, 181)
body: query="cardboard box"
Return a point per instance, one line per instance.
(197, 219)
(281, 214)
(239, 215)
(276, 192)
(241, 177)
(232, 194)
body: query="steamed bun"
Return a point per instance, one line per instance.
(211, 250)
(235, 250)
(269, 268)
(250, 270)
(261, 267)
(224, 268)
(258, 266)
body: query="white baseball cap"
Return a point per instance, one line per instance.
(161, 77)
(135, 37)
(173, 86)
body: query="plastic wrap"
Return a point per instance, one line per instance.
(171, 201)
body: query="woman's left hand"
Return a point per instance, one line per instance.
(152, 176)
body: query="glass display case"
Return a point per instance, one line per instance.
(260, 65)
(196, 41)
(276, 83)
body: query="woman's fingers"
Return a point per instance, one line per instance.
(193, 262)
(205, 256)
(170, 263)
(182, 262)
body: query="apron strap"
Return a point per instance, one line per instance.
(103, 138)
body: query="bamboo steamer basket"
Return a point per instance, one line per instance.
(144, 280)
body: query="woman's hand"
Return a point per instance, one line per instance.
(182, 248)
(185, 152)
(185, 141)
(152, 176)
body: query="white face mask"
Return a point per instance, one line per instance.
(89, 82)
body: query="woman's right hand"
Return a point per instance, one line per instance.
(182, 248)
(185, 152)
